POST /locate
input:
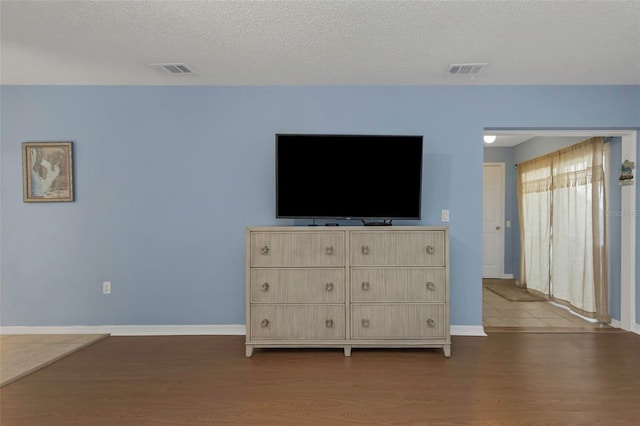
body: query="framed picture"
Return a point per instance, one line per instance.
(47, 171)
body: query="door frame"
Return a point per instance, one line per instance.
(629, 139)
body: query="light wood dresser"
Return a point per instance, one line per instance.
(348, 287)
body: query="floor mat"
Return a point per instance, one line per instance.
(512, 293)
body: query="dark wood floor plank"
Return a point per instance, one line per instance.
(504, 379)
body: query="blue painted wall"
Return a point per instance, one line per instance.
(167, 179)
(542, 145)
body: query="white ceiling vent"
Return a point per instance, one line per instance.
(174, 68)
(465, 69)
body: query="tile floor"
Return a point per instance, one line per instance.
(499, 312)
(22, 354)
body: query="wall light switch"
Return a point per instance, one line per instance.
(106, 287)
(445, 215)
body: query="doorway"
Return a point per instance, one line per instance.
(523, 314)
(493, 221)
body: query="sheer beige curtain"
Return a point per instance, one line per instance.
(563, 234)
(579, 263)
(534, 202)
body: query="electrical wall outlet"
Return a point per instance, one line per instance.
(445, 215)
(106, 287)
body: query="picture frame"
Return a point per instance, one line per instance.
(47, 172)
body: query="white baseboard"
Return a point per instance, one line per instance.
(467, 330)
(635, 328)
(133, 330)
(507, 276)
(178, 330)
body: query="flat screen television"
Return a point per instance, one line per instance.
(366, 177)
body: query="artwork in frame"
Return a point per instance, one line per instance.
(47, 171)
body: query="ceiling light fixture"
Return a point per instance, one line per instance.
(489, 138)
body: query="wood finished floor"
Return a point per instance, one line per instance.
(503, 379)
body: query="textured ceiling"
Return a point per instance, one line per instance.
(319, 42)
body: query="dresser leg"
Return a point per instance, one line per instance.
(248, 351)
(347, 351)
(447, 350)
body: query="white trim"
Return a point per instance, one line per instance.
(132, 330)
(467, 330)
(178, 330)
(507, 276)
(628, 240)
(635, 328)
(607, 224)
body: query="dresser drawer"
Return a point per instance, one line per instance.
(297, 285)
(398, 321)
(397, 248)
(298, 322)
(297, 249)
(398, 285)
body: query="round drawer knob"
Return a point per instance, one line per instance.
(264, 250)
(431, 249)
(329, 286)
(365, 249)
(431, 323)
(365, 323)
(431, 286)
(329, 250)
(264, 323)
(365, 285)
(329, 323)
(265, 286)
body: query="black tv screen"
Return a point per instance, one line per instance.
(348, 176)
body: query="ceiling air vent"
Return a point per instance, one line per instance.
(174, 69)
(465, 69)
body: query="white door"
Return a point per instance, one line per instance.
(493, 220)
